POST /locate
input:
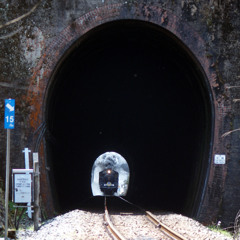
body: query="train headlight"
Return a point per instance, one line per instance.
(109, 171)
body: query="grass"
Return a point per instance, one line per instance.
(22, 227)
(220, 230)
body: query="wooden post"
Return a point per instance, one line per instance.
(36, 215)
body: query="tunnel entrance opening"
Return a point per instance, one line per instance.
(132, 88)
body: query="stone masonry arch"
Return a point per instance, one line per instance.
(42, 81)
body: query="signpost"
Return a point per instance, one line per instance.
(9, 120)
(22, 178)
(9, 117)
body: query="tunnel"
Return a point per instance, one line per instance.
(134, 88)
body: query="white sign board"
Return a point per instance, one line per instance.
(22, 186)
(220, 159)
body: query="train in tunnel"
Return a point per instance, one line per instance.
(110, 175)
(108, 181)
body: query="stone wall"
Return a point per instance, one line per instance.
(34, 35)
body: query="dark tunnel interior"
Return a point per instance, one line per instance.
(133, 88)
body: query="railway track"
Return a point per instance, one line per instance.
(120, 230)
(170, 232)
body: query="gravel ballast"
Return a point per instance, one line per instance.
(80, 224)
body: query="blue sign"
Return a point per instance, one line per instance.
(9, 116)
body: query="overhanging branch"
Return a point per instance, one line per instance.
(21, 17)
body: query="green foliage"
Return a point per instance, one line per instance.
(11, 206)
(16, 215)
(220, 230)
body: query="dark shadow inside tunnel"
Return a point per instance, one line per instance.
(133, 88)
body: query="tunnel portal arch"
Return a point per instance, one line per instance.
(133, 87)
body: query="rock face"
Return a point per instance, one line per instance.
(36, 37)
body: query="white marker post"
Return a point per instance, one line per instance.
(26, 152)
(36, 216)
(8, 124)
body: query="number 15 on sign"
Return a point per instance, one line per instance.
(9, 113)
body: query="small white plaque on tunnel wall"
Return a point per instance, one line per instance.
(220, 159)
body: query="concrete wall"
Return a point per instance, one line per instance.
(34, 35)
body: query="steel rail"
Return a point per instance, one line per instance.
(116, 234)
(164, 228)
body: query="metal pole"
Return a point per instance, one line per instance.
(7, 183)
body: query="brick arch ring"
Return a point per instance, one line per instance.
(64, 40)
(155, 14)
(189, 38)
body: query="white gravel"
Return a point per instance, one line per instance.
(80, 224)
(70, 226)
(190, 228)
